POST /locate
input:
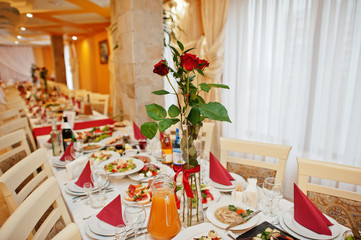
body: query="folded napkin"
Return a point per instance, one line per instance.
(137, 133)
(251, 192)
(112, 213)
(69, 151)
(217, 172)
(75, 167)
(308, 215)
(85, 176)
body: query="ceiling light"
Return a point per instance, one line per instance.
(74, 38)
(29, 15)
(19, 37)
(16, 42)
(23, 28)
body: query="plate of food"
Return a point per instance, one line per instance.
(96, 134)
(222, 214)
(201, 231)
(209, 194)
(102, 155)
(265, 231)
(122, 167)
(139, 193)
(88, 148)
(149, 171)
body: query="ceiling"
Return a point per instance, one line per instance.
(50, 17)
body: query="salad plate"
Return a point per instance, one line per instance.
(225, 188)
(102, 155)
(126, 165)
(291, 223)
(211, 215)
(199, 231)
(147, 173)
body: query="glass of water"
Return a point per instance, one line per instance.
(272, 189)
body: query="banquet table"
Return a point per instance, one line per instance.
(81, 210)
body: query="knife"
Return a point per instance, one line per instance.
(243, 219)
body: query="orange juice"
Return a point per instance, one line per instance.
(164, 222)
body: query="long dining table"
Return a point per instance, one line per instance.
(81, 210)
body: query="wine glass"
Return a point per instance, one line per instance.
(120, 232)
(99, 177)
(87, 188)
(272, 189)
(134, 216)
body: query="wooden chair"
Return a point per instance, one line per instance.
(343, 205)
(22, 222)
(13, 147)
(7, 115)
(21, 123)
(70, 232)
(100, 102)
(246, 166)
(34, 168)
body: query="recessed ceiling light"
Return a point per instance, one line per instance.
(23, 28)
(16, 42)
(29, 15)
(19, 37)
(74, 38)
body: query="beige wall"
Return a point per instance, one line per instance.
(43, 58)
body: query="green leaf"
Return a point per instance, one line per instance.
(200, 71)
(194, 116)
(173, 111)
(174, 51)
(180, 45)
(188, 50)
(218, 85)
(165, 124)
(214, 111)
(175, 120)
(205, 87)
(156, 112)
(160, 92)
(149, 129)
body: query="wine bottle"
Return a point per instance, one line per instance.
(167, 150)
(66, 133)
(55, 139)
(177, 154)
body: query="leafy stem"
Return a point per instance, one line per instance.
(176, 94)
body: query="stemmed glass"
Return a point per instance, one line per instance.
(99, 177)
(120, 232)
(272, 189)
(134, 215)
(87, 188)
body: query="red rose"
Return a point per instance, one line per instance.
(202, 63)
(161, 68)
(189, 62)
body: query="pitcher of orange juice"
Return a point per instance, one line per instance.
(164, 222)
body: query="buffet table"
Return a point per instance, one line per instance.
(81, 211)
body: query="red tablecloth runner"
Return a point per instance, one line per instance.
(78, 125)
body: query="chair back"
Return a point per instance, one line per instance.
(21, 123)
(11, 145)
(7, 115)
(23, 221)
(343, 205)
(70, 232)
(34, 169)
(247, 166)
(100, 102)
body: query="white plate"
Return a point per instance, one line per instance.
(99, 227)
(132, 202)
(138, 166)
(213, 207)
(58, 163)
(198, 231)
(93, 150)
(80, 193)
(96, 236)
(288, 230)
(164, 169)
(291, 223)
(113, 156)
(225, 188)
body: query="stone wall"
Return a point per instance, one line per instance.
(139, 36)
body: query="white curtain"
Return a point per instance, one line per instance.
(15, 63)
(294, 68)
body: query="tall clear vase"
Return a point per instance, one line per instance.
(191, 208)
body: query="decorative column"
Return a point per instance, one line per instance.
(137, 45)
(57, 49)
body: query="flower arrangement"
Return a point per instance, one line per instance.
(192, 109)
(43, 75)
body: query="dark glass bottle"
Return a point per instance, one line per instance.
(66, 133)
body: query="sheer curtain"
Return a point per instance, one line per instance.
(294, 68)
(15, 63)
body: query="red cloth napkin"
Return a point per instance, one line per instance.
(217, 172)
(69, 151)
(137, 133)
(85, 176)
(308, 215)
(112, 213)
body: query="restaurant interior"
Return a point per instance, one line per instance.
(180, 119)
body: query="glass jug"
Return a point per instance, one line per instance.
(164, 222)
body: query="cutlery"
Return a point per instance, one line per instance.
(82, 197)
(243, 220)
(95, 191)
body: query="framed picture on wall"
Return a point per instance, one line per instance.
(103, 51)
